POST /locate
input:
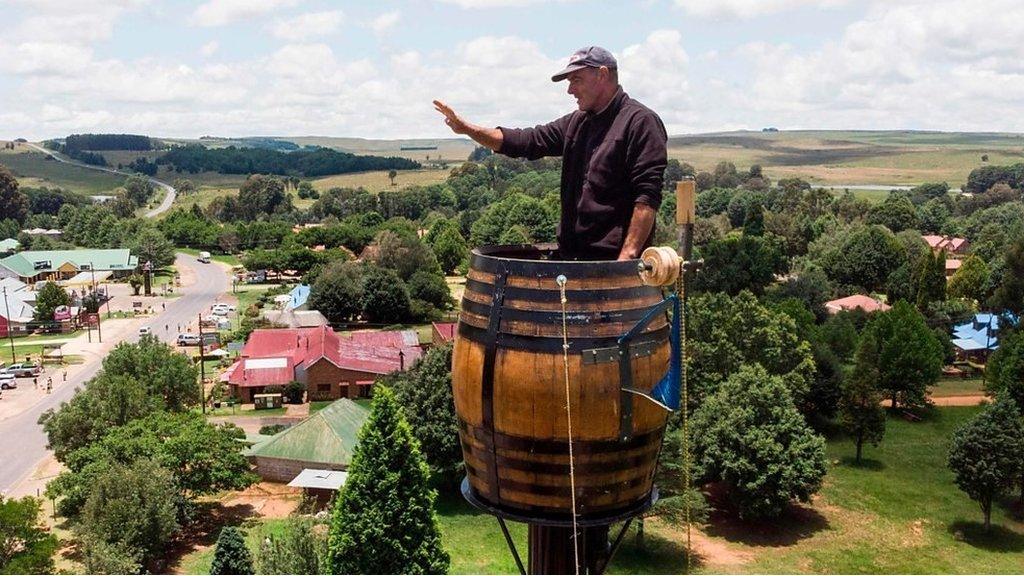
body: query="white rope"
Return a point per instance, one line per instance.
(562, 280)
(681, 294)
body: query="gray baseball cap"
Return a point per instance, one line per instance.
(588, 57)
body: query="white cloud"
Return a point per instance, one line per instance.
(497, 3)
(385, 21)
(210, 48)
(221, 12)
(44, 58)
(751, 8)
(655, 72)
(309, 25)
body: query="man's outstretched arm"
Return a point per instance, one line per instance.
(488, 137)
(640, 227)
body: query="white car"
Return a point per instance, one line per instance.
(7, 382)
(145, 330)
(222, 309)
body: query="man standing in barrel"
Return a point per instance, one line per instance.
(613, 160)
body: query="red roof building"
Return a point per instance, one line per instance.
(443, 333)
(331, 365)
(865, 303)
(950, 244)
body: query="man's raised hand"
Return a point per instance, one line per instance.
(458, 125)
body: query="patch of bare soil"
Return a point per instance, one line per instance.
(968, 400)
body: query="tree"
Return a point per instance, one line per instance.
(865, 257)
(138, 190)
(262, 196)
(383, 521)
(739, 263)
(750, 436)
(100, 557)
(1009, 296)
(931, 280)
(167, 374)
(49, 298)
(426, 393)
(986, 455)
(430, 288)
(860, 411)
(970, 280)
(449, 246)
(909, 355)
(1004, 373)
(13, 204)
(391, 176)
(753, 223)
(896, 213)
(385, 297)
(133, 506)
(337, 291)
(25, 547)
(231, 555)
(136, 281)
(151, 246)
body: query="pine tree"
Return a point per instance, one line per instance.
(231, 556)
(383, 521)
(859, 410)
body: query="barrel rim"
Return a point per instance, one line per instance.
(493, 258)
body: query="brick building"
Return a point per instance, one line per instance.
(331, 365)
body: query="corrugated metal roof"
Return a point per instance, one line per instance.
(32, 262)
(313, 478)
(327, 437)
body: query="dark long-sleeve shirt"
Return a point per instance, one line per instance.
(611, 161)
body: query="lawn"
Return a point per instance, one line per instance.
(957, 387)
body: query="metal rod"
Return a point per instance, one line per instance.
(99, 329)
(615, 545)
(511, 545)
(10, 333)
(202, 367)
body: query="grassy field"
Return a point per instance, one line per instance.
(851, 157)
(377, 181)
(33, 169)
(958, 387)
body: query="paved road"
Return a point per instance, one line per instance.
(169, 191)
(22, 441)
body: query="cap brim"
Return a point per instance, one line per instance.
(568, 70)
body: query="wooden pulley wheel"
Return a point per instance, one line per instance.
(659, 266)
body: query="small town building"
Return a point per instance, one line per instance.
(18, 309)
(320, 485)
(331, 365)
(443, 333)
(74, 267)
(950, 244)
(976, 339)
(324, 441)
(865, 303)
(297, 298)
(295, 318)
(952, 265)
(9, 245)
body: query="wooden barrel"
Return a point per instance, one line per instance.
(508, 381)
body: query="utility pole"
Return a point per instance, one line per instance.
(202, 366)
(99, 330)
(10, 333)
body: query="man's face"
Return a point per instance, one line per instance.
(586, 85)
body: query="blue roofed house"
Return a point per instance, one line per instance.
(297, 298)
(974, 340)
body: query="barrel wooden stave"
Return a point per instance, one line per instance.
(521, 465)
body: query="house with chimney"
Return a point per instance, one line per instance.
(331, 365)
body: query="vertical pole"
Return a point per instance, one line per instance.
(202, 366)
(685, 217)
(10, 333)
(99, 329)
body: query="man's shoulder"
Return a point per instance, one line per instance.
(637, 114)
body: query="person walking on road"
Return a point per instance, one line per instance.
(49, 385)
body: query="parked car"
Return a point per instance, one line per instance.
(221, 309)
(23, 370)
(204, 257)
(185, 339)
(7, 382)
(145, 330)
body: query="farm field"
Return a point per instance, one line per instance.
(34, 170)
(851, 157)
(377, 181)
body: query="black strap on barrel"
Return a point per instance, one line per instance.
(626, 388)
(487, 380)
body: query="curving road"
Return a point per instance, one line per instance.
(22, 441)
(169, 191)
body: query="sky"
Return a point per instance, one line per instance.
(371, 69)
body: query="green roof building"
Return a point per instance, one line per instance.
(9, 245)
(323, 441)
(33, 266)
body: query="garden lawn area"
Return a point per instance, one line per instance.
(255, 529)
(248, 294)
(898, 512)
(957, 387)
